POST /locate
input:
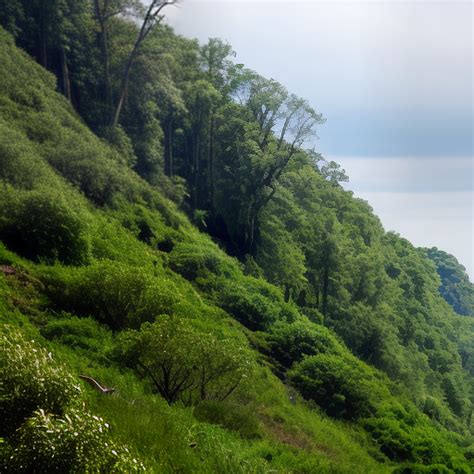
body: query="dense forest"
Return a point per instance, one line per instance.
(169, 231)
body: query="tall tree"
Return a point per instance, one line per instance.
(151, 18)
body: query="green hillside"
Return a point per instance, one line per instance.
(250, 314)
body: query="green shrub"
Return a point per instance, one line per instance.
(340, 387)
(19, 164)
(114, 293)
(403, 436)
(253, 302)
(42, 225)
(193, 261)
(289, 343)
(30, 379)
(174, 355)
(76, 442)
(79, 333)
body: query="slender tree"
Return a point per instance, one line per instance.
(151, 18)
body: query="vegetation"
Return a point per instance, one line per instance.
(190, 252)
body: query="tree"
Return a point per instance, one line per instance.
(277, 124)
(151, 18)
(104, 10)
(174, 354)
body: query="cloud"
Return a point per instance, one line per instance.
(409, 174)
(391, 77)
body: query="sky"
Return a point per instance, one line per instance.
(394, 80)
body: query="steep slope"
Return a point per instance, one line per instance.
(94, 260)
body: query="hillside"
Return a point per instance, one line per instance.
(455, 287)
(245, 325)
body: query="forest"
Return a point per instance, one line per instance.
(169, 229)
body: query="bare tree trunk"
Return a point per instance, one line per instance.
(65, 74)
(324, 308)
(211, 162)
(196, 170)
(169, 147)
(151, 19)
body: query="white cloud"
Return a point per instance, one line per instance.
(408, 174)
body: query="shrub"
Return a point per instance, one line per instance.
(253, 302)
(116, 294)
(340, 387)
(173, 353)
(20, 166)
(75, 442)
(290, 343)
(79, 333)
(194, 261)
(41, 225)
(31, 379)
(403, 436)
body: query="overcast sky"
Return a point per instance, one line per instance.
(394, 80)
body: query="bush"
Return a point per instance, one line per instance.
(290, 343)
(194, 261)
(31, 379)
(340, 387)
(116, 294)
(253, 302)
(41, 225)
(76, 442)
(174, 355)
(403, 436)
(79, 333)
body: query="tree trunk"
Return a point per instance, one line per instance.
(151, 18)
(324, 309)
(196, 169)
(65, 74)
(211, 163)
(169, 146)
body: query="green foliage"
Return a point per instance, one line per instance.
(404, 437)
(290, 343)
(310, 246)
(193, 261)
(74, 442)
(253, 302)
(41, 225)
(455, 287)
(31, 379)
(174, 355)
(81, 334)
(343, 389)
(116, 294)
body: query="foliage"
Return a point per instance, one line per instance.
(116, 294)
(31, 379)
(290, 343)
(340, 387)
(174, 355)
(455, 287)
(75, 442)
(40, 225)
